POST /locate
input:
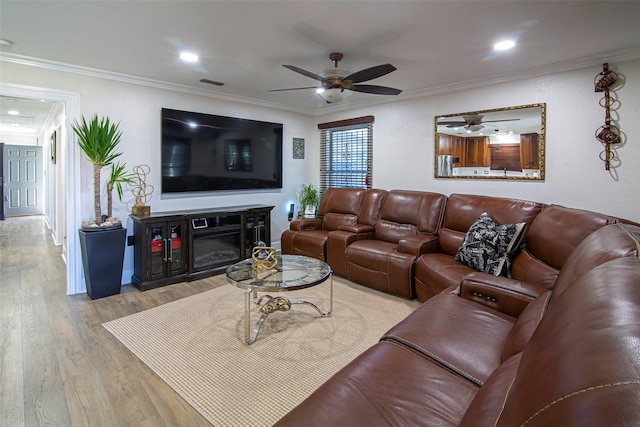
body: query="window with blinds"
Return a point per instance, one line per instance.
(346, 153)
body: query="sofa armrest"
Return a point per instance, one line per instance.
(306, 224)
(418, 245)
(506, 295)
(357, 228)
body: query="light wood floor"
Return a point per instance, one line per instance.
(58, 365)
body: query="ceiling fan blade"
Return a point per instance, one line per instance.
(497, 121)
(370, 73)
(304, 72)
(295, 88)
(452, 124)
(376, 90)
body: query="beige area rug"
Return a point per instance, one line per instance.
(196, 345)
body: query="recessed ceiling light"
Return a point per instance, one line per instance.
(504, 45)
(13, 112)
(189, 56)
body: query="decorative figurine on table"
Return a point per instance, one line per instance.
(263, 257)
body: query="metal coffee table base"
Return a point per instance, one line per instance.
(272, 305)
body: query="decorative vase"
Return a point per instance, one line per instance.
(310, 212)
(102, 260)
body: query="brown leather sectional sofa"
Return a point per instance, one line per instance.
(557, 343)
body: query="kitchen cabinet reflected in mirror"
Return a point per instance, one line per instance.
(503, 143)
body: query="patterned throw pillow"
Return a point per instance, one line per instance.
(489, 247)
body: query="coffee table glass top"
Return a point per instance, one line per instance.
(290, 273)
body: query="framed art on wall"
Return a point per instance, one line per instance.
(53, 147)
(298, 148)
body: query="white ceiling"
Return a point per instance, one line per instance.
(436, 45)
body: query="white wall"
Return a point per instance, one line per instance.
(403, 136)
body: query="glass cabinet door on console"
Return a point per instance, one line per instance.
(166, 249)
(160, 252)
(256, 229)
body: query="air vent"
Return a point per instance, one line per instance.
(211, 82)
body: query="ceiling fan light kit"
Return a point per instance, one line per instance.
(335, 87)
(473, 122)
(333, 95)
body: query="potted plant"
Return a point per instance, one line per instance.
(309, 199)
(102, 238)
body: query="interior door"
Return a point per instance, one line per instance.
(23, 183)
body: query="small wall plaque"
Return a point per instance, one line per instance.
(298, 148)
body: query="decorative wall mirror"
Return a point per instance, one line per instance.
(503, 143)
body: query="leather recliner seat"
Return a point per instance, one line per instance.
(551, 234)
(406, 228)
(308, 236)
(346, 234)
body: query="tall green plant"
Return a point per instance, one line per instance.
(98, 139)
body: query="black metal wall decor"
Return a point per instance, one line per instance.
(608, 134)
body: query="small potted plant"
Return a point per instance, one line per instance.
(102, 238)
(309, 199)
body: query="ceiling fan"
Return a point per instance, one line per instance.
(333, 82)
(472, 122)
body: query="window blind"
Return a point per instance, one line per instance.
(346, 153)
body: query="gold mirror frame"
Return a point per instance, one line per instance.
(502, 143)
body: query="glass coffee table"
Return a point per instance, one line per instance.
(292, 272)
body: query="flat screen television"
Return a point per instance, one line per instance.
(204, 152)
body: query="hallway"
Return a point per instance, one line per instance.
(58, 365)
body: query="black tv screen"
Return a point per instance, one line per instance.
(204, 152)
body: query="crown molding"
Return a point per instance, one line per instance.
(556, 68)
(559, 67)
(142, 81)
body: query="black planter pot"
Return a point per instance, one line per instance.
(102, 259)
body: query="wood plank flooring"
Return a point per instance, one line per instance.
(58, 365)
